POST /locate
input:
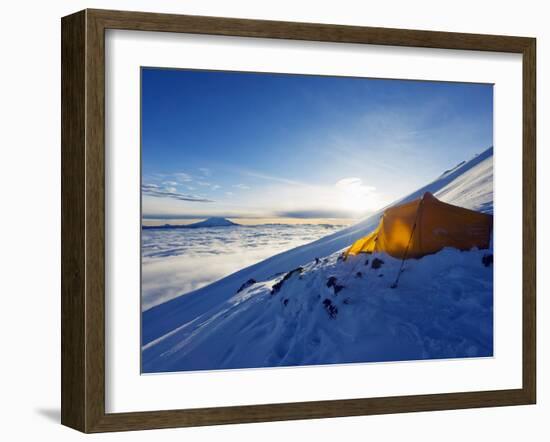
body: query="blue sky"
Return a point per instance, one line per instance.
(295, 146)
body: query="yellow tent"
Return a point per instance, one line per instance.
(426, 226)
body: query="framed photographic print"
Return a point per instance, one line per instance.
(270, 220)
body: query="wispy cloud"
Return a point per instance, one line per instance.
(354, 184)
(183, 177)
(170, 192)
(205, 171)
(208, 184)
(315, 213)
(268, 177)
(241, 186)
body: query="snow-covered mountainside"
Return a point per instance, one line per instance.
(307, 306)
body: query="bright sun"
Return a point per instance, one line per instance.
(354, 196)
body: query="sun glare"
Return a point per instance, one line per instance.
(355, 196)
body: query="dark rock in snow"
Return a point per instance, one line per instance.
(359, 275)
(367, 262)
(377, 263)
(276, 287)
(331, 309)
(285, 302)
(247, 284)
(487, 260)
(331, 282)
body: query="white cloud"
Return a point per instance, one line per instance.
(183, 177)
(354, 184)
(267, 177)
(212, 186)
(154, 190)
(241, 186)
(205, 171)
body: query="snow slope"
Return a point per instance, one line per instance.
(450, 316)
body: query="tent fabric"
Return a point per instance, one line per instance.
(425, 226)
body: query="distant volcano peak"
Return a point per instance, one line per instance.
(214, 221)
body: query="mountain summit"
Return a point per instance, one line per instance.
(213, 222)
(210, 222)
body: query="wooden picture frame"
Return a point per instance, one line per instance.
(83, 220)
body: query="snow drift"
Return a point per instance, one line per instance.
(306, 306)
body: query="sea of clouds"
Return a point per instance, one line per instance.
(179, 261)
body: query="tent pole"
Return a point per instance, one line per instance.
(394, 285)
